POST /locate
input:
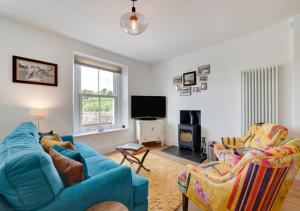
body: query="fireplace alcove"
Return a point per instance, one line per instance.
(189, 137)
(189, 130)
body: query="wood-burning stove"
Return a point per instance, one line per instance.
(189, 130)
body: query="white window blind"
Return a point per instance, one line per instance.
(97, 64)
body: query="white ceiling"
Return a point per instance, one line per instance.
(175, 27)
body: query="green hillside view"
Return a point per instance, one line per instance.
(91, 103)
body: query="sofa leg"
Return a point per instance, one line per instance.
(185, 203)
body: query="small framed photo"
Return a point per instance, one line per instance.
(203, 86)
(177, 80)
(196, 89)
(204, 70)
(32, 71)
(203, 78)
(185, 91)
(189, 79)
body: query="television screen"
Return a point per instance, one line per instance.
(148, 106)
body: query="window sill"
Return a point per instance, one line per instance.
(98, 132)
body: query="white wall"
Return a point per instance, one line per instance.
(17, 99)
(296, 24)
(220, 104)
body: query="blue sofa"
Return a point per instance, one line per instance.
(29, 180)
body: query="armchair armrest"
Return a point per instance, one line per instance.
(233, 142)
(204, 191)
(67, 138)
(207, 171)
(112, 185)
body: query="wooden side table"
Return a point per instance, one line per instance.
(130, 155)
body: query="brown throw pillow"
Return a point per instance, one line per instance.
(69, 170)
(47, 144)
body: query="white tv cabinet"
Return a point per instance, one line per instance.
(149, 130)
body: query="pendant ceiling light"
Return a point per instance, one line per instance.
(133, 22)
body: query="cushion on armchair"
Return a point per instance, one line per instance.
(259, 136)
(226, 156)
(266, 136)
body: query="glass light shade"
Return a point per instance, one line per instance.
(133, 23)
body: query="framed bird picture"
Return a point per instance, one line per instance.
(32, 71)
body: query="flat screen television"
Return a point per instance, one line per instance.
(148, 107)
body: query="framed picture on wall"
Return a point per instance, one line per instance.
(32, 71)
(203, 78)
(204, 70)
(203, 86)
(185, 91)
(196, 89)
(177, 80)
(189, 79)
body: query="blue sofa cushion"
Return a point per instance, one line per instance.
(28, 178)
(99, 164)
(85, 150)
(73, 155)
(67, 138)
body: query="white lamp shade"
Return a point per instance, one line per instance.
(38, 114)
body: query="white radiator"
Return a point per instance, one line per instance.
(259, 96)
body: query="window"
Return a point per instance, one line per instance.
(98, 98)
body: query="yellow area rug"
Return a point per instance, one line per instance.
(163, 192)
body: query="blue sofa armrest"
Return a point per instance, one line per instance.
(68, 138)
(112, 185)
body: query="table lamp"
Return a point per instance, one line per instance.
(38, 115)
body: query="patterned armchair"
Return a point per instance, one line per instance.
(259, 181)
(259, 136)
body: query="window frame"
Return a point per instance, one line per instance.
(115, 97)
